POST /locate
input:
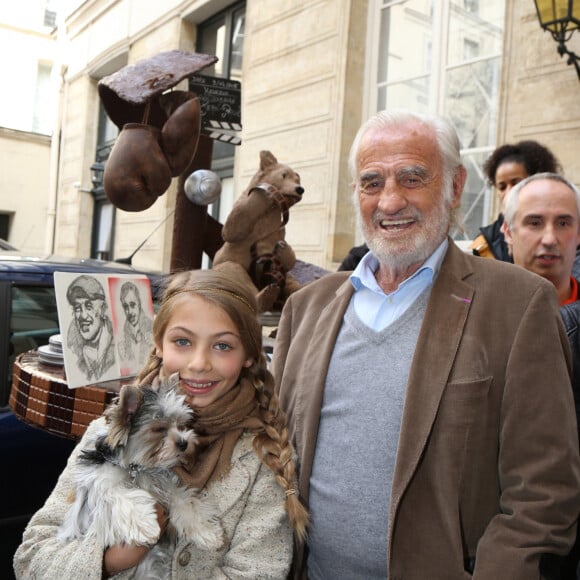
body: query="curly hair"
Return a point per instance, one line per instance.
(534, 156)
(272, 443)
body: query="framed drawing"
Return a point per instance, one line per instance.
(106, 324)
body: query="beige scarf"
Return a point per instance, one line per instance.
(218, 426)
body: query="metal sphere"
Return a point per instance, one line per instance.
(203, 187)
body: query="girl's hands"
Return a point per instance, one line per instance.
(122, 556)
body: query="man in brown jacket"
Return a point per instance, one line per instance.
(428, 393)
(542, 218)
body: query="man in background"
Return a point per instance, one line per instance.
(542, 216)
(543, 229)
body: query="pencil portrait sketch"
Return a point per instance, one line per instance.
(90, 333)
(135, 341)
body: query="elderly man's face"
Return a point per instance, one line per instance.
(131, 306)
(403, 211)
(89, 317)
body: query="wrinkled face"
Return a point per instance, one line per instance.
(507, 175)
(131, 307)
(545, 231)
(89, 317)
(402, 207)
(202, 344)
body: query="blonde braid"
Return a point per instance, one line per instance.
(274, 448)
(153, 363)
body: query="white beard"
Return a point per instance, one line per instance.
(400, 254)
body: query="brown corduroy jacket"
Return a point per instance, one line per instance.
(488, 434)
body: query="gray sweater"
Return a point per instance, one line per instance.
(357, 446)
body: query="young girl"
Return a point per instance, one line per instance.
(207, 331)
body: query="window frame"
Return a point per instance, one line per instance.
(439, 71)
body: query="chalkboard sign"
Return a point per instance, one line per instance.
(221, 100)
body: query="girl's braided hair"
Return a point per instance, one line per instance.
(272, 444)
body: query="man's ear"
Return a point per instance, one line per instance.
(459, 180)
(507, 234)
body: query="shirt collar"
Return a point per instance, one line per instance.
(364, 274)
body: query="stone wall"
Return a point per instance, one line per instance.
(540, 93)
(24, 183)
(303, 73)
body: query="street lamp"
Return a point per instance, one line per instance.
(561, 18)
(97, 170)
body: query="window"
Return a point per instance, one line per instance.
(50, 13)
(444, 57)
(470, 49)
(42, 113)
(102, 244)
(49, 18)
(103, 229)
(471, 6)
(33, 319)
(4, 225)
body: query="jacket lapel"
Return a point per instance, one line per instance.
(435, 353)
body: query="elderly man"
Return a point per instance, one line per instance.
(427, 393)
(90, 335)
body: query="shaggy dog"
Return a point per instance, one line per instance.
(128, 470)
(255, 249)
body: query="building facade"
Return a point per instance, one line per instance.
(28, 113)
(311, 71)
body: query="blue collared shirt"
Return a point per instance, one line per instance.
(377, 309)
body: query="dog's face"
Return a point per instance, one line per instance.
(280, 176)
(151, 428)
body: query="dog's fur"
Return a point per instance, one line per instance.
(120, 479)
(255, 249)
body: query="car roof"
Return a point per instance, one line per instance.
(19, 266)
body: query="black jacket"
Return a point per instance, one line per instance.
(571, 317)
(352, 259)
(495, 240)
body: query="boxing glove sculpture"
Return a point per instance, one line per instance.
(144, 158)
(159, 127)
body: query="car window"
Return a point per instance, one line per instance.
(34, 319)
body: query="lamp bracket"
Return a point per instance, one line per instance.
(572, 56)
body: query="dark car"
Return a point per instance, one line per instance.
(32, 458)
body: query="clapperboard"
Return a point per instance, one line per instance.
(221, 106)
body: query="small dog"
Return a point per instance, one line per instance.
(129, 470)
(255, 249)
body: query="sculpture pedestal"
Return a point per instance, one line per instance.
(40, 396)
